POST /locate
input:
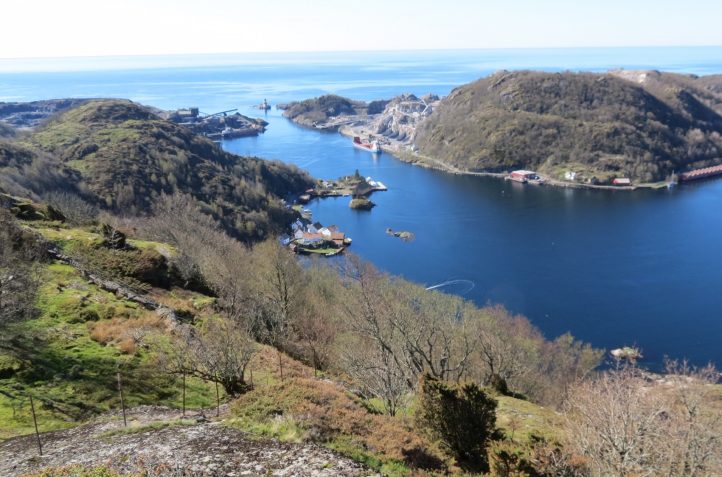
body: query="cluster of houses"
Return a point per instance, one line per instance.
(312, 237)
(578, 177)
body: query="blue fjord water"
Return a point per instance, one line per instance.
(614, 268)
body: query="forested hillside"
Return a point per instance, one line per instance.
(642, 125)
(121, 157)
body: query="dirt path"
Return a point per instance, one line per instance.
(163, 445)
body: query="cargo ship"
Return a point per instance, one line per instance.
(366, 146)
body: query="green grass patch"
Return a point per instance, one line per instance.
(354, 450)
(71, 376)
(523, 419)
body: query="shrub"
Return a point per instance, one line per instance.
(462, 417)
(85, 314)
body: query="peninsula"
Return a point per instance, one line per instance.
(619, 129)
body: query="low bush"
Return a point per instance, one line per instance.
(462, 418)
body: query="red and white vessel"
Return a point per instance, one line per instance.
(366, 146)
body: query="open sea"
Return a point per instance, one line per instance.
(614, 268)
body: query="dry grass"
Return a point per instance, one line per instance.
(182, 300)
(126, 333)
(301, 407)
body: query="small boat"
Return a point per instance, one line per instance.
(366, 146)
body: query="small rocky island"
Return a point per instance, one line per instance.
(404, 235)
(361, 203)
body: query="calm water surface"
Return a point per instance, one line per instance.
(614, 268)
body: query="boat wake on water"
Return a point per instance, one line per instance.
(458, 287)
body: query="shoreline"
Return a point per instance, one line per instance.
(436, 164)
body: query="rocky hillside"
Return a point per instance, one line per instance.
(121, 156)
(161, 441)
(392, 123)
(643, 125)
(31, 114)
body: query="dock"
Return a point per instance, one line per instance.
(699, 174)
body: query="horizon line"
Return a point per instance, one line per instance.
(143, 62)
(390, 50)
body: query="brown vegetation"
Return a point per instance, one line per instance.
(127, 334)
(626, 422)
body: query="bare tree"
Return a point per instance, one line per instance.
(694, 443)
(507, 346)
(377, 373)
(217, 351)
(206, 253)
(18, 282)
(402, 331)
(75, 209)
(630, 423)
(279, 292)
(315, 334)
(435, 335)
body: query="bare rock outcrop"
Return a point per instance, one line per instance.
(159, 442)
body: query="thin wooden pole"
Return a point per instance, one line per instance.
(251, 378)
(122, 401)
(218, 401)
(35, 421)
(184, 393)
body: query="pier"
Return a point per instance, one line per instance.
(699, 174)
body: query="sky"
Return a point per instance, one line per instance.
(64, 28)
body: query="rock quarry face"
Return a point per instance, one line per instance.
(392, 122)
(402, 114)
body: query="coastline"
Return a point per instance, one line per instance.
(399, 151)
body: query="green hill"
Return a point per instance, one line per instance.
(317, 110)
(122, 156)
(643, 125)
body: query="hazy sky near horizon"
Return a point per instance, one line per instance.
(60, 28)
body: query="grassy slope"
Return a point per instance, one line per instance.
(603, 125)
(72, 376)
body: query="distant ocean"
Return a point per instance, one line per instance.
(613, 268)
(216, 81)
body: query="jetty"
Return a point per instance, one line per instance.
(699, 174)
